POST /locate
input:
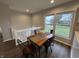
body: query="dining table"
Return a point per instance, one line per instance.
(39, 39)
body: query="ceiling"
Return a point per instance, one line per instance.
(32, 5)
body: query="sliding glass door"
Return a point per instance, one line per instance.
(63, 25)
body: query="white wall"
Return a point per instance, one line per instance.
(20, 24)
(12, 19)
(20, 20)
(5, 21)
(37, 20)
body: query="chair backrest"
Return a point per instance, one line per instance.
(51, 39)
(35, 32)
(51, 31)
(22, 44)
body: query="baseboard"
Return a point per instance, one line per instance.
(6, 40)
(63, 42)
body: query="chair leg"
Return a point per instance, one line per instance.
(46, 51)
(51, 49)
(30, 56)
(52, 44)
(36, 53)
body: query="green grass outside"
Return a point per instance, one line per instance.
(60, 30)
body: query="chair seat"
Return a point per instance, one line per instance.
(28, 49)
(47, 43)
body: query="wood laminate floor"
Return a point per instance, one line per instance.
(58, 51)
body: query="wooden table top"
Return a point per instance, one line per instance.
(40, 38)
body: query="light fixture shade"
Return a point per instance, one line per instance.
(27, 10)
(52, 1)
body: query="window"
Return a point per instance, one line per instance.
(49, 23)
(60, 23)
(63, 25)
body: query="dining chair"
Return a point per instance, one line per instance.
(27, 49)
(52, 40)
(49, 42)
(35, 32)
(51, 31)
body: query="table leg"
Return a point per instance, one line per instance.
(39, 52)
(46, 50)
(36, 53)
